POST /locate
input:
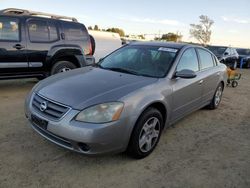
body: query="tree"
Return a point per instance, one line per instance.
(116, 30)
(90, 28)
(175, 37)
(141, 37)
(96, 28)
(202, 31)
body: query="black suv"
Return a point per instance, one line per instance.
(226, 55)
(244, 57)
(35, 44)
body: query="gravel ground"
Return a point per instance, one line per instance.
(205, 149)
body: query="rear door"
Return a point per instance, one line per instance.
(42, 35)
(187, 92)
(77, 35)
(13, 57)
(210, 74)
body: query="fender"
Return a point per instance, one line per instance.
(66, 50)
(137, 104)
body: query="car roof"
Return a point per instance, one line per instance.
(164, 44)
(219, 46)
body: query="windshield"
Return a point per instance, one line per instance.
(217, 50)
(141, 60)
(243, 51)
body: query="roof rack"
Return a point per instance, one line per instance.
(15, 11)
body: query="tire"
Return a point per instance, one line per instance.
(62, 66)
(146, 134)
(40, 78)
(217, 97)
(234, 83)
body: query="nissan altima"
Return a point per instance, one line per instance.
(125, 101)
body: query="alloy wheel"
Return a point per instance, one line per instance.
(149, 134)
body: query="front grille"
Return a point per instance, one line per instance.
(50, 110)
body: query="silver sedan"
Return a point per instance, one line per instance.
(123, 102)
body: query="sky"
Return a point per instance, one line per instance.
(231, 18)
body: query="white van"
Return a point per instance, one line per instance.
(105, 43)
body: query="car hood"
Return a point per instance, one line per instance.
(87, 86)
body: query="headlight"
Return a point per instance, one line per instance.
(101, 113)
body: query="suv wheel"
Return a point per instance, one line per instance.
(146, 134)
(62, 66)
(217, 97)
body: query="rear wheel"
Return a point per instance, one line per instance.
(234, 83)
(62, 66)
(217, 97)
(40, 77)
(146, 134)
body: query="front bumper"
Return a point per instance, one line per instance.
(82, 137)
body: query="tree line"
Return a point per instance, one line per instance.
(113, 29)
(201, 32)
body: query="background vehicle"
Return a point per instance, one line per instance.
(105, 43)
(226, 55)
(244, 57)
(35, 44)
(134, 93)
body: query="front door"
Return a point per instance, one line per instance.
(13, 59)
(186, 92)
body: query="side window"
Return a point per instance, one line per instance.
(188, 61)
(53, 32)
(38, 31)
(234, 51)
(9, 29)
(74, 31)
(206, 59)
(42, 31)
(228, 51)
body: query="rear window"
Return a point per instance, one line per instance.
(42, 31)
(9, 29)
(74, 31)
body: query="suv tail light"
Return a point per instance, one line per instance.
(90, 48)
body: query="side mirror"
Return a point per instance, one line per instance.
(226, 53)
(185, 73)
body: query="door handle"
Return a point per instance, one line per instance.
(63, 36)
(201, 82)
(18, 46)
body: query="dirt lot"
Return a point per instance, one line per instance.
(206, 149)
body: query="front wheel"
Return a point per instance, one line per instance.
(62, 66)
(146, 134)
(217, 97)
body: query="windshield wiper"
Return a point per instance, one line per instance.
(122, 70)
